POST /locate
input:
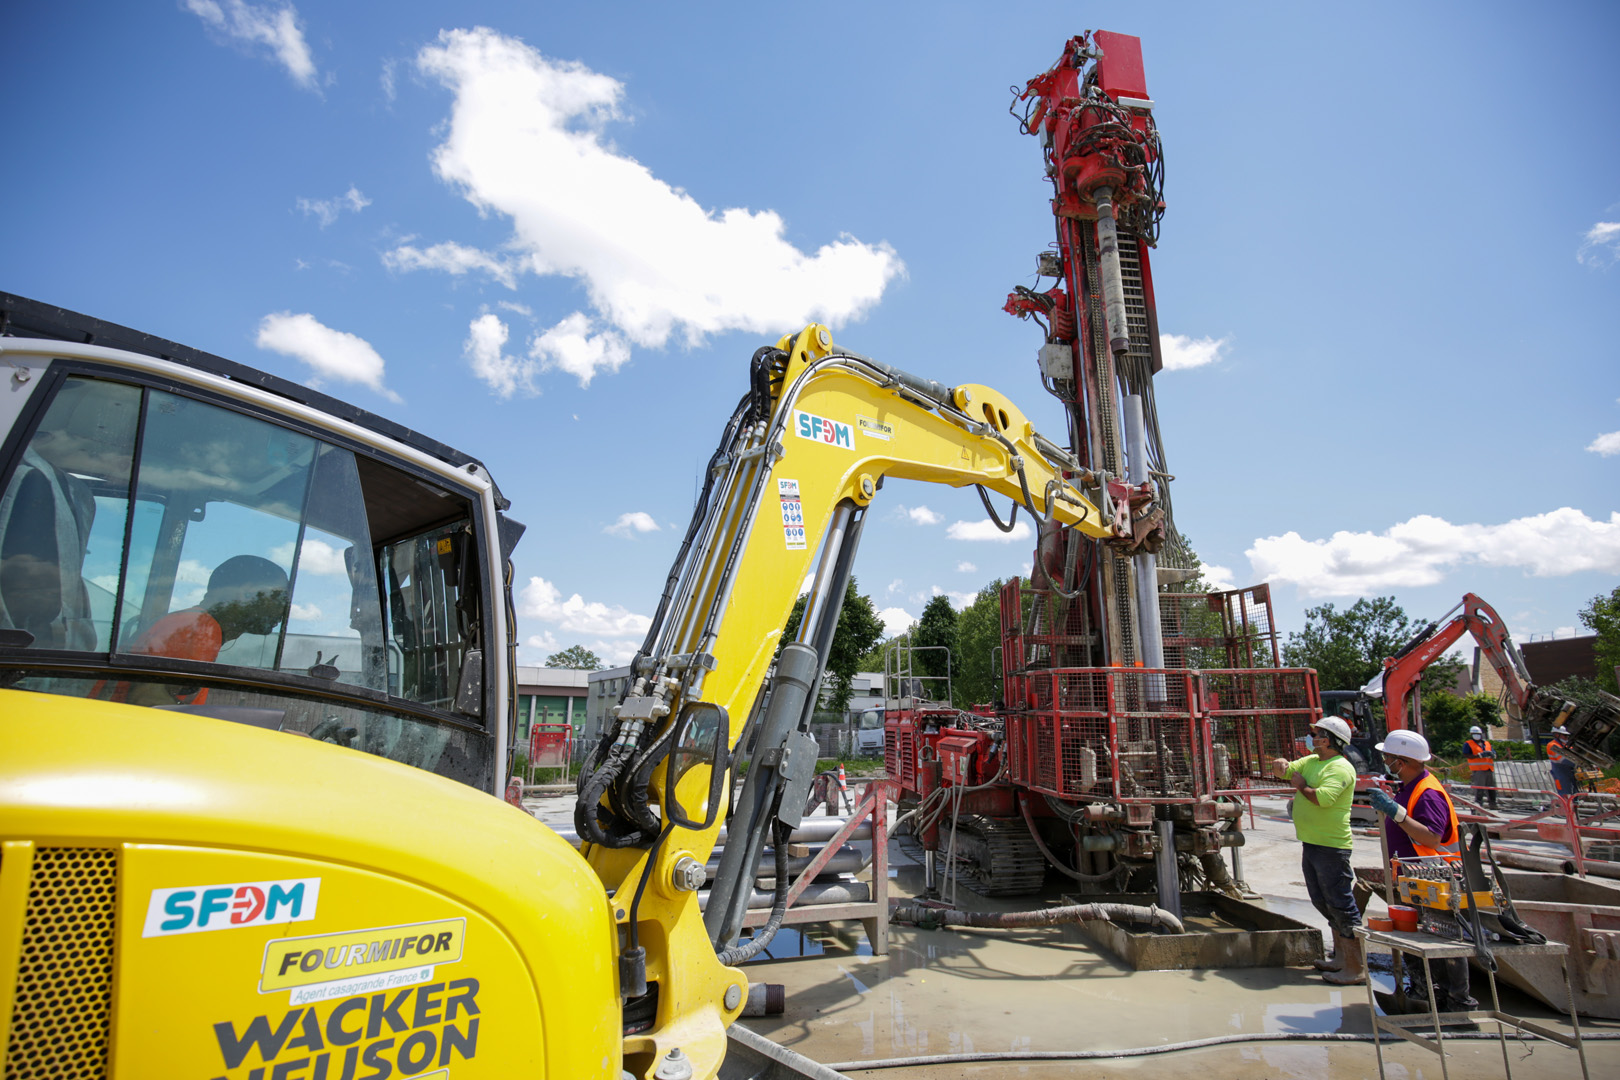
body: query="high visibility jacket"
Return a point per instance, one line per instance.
(1477, 761)
(1555, 749)
(1448, 848)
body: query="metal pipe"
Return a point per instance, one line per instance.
(1150, 637)
(1520, 860)
(1113, 281)
(816, 830)
(1169, 879)
(816, 895)
(930, 884)
(844, 861)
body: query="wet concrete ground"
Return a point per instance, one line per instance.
(966, 990)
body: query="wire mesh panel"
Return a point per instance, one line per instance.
(1230, 629)
(1109, 733)
(1254, 717)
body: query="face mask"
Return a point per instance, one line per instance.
(1310, 744)
(1392, 770)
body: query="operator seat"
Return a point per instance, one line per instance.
(45, 518)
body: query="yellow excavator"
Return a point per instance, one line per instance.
(257, 709)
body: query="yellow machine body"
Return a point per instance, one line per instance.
(254, 904)
(1424, 892)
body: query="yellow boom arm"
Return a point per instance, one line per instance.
(787, 493)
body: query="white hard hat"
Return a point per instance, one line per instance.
(1560, 730)
(1335, 727)
(1406, 744)
(1476, 730)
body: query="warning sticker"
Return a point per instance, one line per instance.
(792, 514)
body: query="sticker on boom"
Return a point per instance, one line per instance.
(820, 429)
(324, 966)
(792, 514)
(193, 909)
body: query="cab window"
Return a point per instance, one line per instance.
(153, 527)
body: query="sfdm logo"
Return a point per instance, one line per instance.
(820, 429)
(192, 909)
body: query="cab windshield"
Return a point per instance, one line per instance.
(161, 550)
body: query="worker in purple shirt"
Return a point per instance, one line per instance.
(1421, 821)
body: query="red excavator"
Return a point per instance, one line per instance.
(1539, 709)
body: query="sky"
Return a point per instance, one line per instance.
(1386, 275)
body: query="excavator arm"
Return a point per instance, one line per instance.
(784, 500)
(1403, 670)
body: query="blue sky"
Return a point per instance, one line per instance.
(553, 237)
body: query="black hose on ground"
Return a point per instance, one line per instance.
(932, 918)
(923, 1060)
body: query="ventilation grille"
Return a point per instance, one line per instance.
(63, 1009)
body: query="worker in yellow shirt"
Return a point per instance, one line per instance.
(1324, 785)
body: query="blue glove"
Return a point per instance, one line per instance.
(1384, 804)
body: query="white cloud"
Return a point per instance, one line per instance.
(327, 210)
(254, 24)
(192, 572)
(526, 139)
(921, 515)
(542, 600)
(571, 346)
(896, 620)
(1181, 352)
(966, 567)
(1219, 577)
(959, 600)
(319, 558)
(454, 259)
(895, 586)
(1607, 445)
(484, 350)
(306, 613)
(635, 521)
(985, 529)
(333, 354)
(1601, 245)
(546, 641)
(1421, 551)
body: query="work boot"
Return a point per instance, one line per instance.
(1334, 962)
(1354, 972)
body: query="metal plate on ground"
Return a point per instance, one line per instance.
(1221, 933)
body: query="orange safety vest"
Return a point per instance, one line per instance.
(1477, 761)
(1555, 749)
(1453, 829)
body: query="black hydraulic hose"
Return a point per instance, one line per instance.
(1012, 519)
(997, 1056)
(737, 954)
(1035, 834)
(933, 917)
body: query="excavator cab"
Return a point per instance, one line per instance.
(176, 544)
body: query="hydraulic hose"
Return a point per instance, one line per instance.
(751, 948)
(1055, 862)
(932, 918)
(923, 1060)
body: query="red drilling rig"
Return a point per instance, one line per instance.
(1135, 714)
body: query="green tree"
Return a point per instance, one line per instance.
(859, 628)
(1447, 718)
(1602, 617)
(978, 636)
(577, 657)
(1347, 648)
(935, 630)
